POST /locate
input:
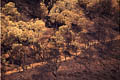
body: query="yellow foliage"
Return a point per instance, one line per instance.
(10, 11)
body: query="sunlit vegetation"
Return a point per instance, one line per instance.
(44, 30)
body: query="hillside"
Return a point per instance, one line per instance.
(60, 39)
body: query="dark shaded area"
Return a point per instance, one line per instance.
(50, 24)
(103, 9)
